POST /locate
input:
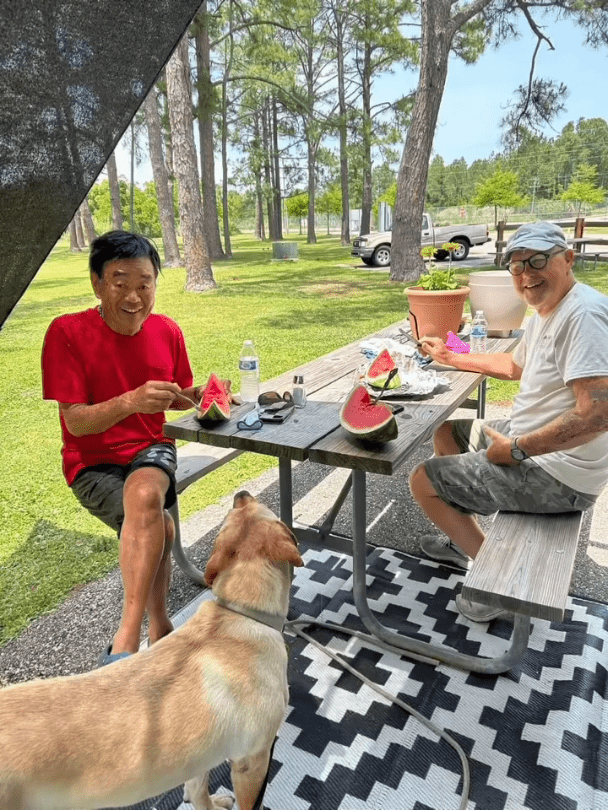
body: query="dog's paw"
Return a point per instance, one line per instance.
(220, 802)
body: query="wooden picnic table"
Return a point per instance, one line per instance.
(314, 432)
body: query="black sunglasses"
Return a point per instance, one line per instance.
(272, 401)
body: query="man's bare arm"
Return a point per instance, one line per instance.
(586, 421)
(499, 365)
(84, 420)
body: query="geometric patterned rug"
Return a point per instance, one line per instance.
(536, 737)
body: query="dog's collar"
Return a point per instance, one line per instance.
(273, 620)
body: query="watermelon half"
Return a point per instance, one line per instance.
(364, 419)
(215, 402)
(379, 371)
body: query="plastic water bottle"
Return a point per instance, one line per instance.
(249, 368)
(479, 333)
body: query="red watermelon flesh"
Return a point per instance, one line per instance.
(215, 403)
(455, 344)
(380, 369)
(367, 420)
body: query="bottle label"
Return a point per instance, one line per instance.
(248, 364)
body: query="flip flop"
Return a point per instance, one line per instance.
(108, 657)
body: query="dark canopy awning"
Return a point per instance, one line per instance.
(72, 75)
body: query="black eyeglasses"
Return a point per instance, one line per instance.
(251, 421)
(536, 262)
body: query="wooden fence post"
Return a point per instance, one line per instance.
(579, 227)
(500, 237)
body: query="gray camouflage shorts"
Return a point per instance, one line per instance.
(471, 483)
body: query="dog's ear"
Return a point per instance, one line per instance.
(217, 562)
(286, 549)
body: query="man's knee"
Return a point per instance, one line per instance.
(444, 443)
(419, 480)
(146, 488)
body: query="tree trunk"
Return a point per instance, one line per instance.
(345, 229)
(114, 192)
(87, 221)
(74, 246)
(277, 171)
(438, 30)
(199, 275)
(161, 179)
(206, 108)
(311, 236)
(366, 126)
(79, 232)
(259, 204)
(267, 178)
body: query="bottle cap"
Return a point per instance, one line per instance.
(298, 379)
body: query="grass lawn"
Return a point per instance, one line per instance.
(295, 311)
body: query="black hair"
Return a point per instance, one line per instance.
(121, 245)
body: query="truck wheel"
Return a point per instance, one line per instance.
(382, 256)
(462, 252)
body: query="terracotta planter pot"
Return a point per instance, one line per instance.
(494, 293)
(436, 312)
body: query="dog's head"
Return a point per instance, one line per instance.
(251, 531)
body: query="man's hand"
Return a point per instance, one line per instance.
(438, 350)
(499, 452)
(152, 397)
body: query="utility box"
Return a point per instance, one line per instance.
(282, 251)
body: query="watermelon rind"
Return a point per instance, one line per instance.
(365, 420)
(215, 402)
(379, 370)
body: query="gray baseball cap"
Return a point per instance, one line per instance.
(542, 236)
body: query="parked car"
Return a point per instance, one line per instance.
(375, 248)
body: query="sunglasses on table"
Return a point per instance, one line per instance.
(537, 262)
(272, 407)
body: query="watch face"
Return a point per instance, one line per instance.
(518, 454)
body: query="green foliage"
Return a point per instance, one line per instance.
(297, 206)
(436, 279)
(330, 202)
(145, 208)
(500, 189)
(583, 189)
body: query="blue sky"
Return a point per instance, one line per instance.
(476, 96)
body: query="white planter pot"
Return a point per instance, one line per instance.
(492, 291)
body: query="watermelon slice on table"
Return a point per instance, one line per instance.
(364, 419)
(380, 369)
(455, 344)
(215, 402)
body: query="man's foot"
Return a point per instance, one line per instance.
(158, 632)
(477, 612)
(442, 549)
(108, 657)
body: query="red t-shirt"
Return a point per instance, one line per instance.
(84, 361)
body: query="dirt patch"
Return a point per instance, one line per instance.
(335, 289)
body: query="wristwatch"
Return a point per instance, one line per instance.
(516, 452)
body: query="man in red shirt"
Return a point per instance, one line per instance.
(114, 370)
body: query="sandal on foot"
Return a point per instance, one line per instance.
(108, 657)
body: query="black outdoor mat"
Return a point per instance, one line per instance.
(536, 737)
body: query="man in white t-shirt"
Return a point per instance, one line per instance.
(552, 454)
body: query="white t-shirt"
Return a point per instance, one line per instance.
(568, 344)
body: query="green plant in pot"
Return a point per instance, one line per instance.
(436, 279)
(437, 301)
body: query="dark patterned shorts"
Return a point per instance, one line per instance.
(100, 488)
(470, 483)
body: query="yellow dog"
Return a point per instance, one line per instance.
(215, 689)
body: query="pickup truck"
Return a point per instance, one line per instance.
(375, 248)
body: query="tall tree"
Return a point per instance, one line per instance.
(87, 221)
(161, 179)
(114, 192)
(199, 275)
(207, 107)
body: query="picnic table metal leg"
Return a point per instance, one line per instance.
(285, 491)
(184, 563)
(481, 399)
(402, 644)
